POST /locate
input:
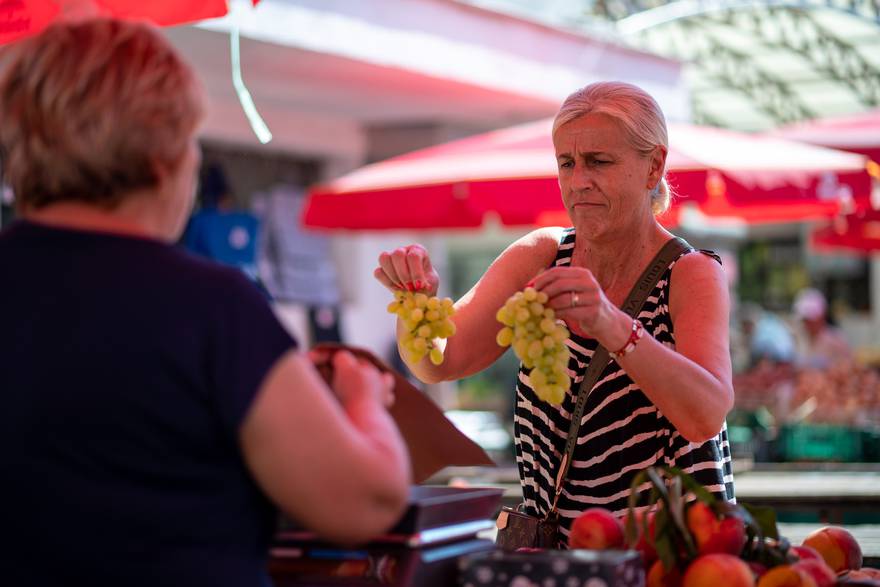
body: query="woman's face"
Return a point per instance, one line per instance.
(604, 181)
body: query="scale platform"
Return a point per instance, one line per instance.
(422, 549)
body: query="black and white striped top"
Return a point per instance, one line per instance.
(621, 431)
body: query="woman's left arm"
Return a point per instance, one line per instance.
(691, 384)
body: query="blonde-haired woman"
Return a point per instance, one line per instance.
(664, 398)
(155, 411)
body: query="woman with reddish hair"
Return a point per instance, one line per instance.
(156, 414)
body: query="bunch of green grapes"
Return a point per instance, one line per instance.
(426, 319)
(538, 341)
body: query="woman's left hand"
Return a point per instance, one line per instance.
(576, 297)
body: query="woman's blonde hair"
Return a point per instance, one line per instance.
(636, 110)
(90, 109)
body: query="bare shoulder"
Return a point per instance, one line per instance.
(696, 266)
(525, 257)
(697, 283)
(542, 241)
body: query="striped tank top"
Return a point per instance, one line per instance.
(621, 431)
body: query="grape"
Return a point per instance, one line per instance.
(505, 336)
(426, 319)
(538, 341)
(436, 356)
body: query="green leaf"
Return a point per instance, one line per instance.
(646, 529)
(638, 479)
(631, 531)
(691, 485)
(765, 518)
(664, 541)
(676, 511)
(659, 484)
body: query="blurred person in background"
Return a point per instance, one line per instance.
(155, 411)
(663, 399)
(823, 344)
(768, 337)
(219, 230)
(766, 374)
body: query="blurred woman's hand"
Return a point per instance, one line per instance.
(358, 465)
(356, 380)
(407, 268)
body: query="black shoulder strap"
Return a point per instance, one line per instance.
(632, 306)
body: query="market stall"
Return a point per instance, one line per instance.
(695, 541)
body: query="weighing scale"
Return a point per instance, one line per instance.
(421, 550)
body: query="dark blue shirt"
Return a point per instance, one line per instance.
(126, 369)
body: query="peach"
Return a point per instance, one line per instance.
(864, 574)
(757, 568)
(818, 570)
(786, 576)
(718, 570)
(700, 521)
(804, 552)
(596, 529)
(643, 544)
(837, 547)
(658, 576)
(725, 535)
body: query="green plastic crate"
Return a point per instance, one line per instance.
(820, 442)
(871, 446)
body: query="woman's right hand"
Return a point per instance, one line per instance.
(407, 268)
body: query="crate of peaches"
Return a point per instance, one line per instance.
(688, 538)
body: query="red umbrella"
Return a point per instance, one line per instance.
(512, 173)
(859, 133)
(20, 18)
(26, 17)
(857, 233)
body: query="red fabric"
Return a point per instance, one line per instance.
(859, 133)
(19, 19)
(28, 17)
(511, 173)
(854, 233)
(786, 203)
(165, 12)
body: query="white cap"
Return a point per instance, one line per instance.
(810, 304)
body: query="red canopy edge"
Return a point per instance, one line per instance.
(857, 234)
(29, 17)
(458, 205)
(536, 202)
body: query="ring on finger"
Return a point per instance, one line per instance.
(574, 299)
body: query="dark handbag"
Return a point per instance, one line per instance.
(517, 529)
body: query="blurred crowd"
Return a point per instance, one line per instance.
(801, 368)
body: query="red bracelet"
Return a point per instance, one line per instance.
(635, 336)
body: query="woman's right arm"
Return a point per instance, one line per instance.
(473, 347)
(334, 463)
